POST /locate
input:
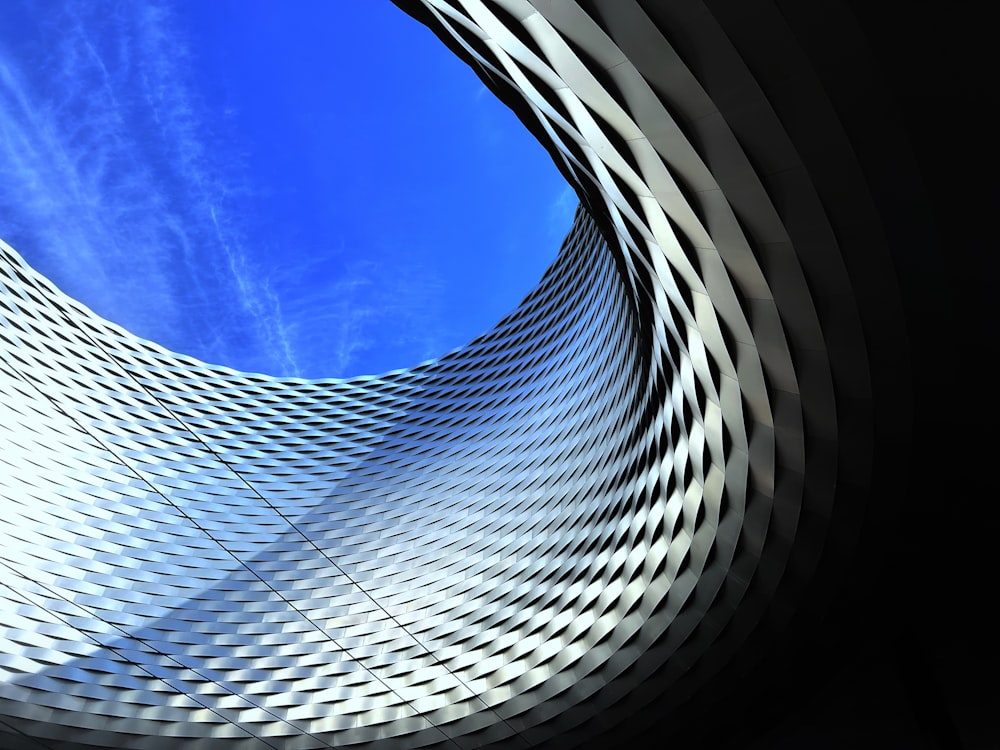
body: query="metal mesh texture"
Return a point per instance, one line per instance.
(497, 548)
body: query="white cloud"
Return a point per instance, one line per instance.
(561, 212)
(112, 182)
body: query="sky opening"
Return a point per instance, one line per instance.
(309, 189)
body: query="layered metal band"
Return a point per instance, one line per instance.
(592, 507)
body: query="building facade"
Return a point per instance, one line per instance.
(586, 527)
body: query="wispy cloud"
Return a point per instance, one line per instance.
(366, 311)
(128, 183)
(120, 189)
(561, 212)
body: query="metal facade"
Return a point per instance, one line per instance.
(591, 507)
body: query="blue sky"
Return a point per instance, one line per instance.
(315, 189)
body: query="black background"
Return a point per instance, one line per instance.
(905, 656)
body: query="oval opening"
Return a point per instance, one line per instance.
(300, 189)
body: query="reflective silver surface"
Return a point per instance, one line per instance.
(492, 548)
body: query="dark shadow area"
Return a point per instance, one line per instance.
(903, 656)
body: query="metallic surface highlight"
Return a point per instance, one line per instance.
(626, 486)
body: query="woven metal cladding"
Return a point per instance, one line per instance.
(499, 547)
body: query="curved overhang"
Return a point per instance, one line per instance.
(602, 514)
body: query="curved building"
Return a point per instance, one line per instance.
(601, 523)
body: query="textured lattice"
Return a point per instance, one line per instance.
(495, 547)
(195, 552)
